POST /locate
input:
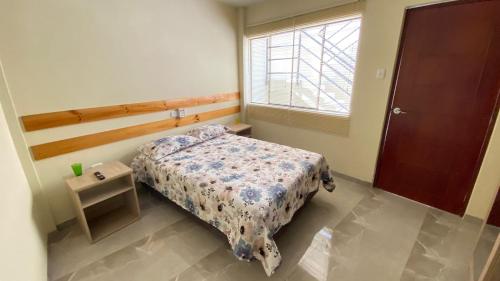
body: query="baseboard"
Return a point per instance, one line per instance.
(353, 179)
(60, 228)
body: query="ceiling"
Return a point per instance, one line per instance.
(241, 3)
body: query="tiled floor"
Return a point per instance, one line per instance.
(484, 247)
(355, 233)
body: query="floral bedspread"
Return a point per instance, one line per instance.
(246, 188)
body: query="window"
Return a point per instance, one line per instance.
(307, 68)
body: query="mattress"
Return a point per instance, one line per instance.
(246, 188)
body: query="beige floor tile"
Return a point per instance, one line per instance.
(356, 233)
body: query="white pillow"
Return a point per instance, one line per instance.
(160, 148)
(207, 132)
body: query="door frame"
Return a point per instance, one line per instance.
(390, 102)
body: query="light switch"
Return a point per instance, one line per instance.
(380, 73)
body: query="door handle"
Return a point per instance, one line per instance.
(398, 111)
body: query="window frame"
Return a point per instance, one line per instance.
(294, 29)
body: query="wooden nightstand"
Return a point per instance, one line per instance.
(103, 207)
(240, 129)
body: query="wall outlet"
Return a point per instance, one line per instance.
(181, 113)
(178, 113)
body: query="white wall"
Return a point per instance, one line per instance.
(356, 154)
(488, 181)
(46, 219)
(60, 55)
(272, 10)
(23, 255)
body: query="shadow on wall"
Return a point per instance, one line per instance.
(40, 208)
(42, 222)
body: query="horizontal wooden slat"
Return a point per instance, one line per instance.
(69, 117)
(55, 148)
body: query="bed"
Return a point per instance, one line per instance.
(246, 188)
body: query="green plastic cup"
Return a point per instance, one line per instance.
(77, 169)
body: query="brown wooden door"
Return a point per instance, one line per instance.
(494, 217)
(446, 86)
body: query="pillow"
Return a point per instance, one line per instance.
(160, 148)
(208, 131)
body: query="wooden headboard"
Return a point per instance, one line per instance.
(78, 116)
